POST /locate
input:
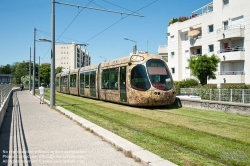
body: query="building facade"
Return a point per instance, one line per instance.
(221, 28)
(71, 56)
(5, 78)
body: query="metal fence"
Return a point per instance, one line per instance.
(227, 95)
(4, 92)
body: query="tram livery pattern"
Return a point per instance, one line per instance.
(138, 80)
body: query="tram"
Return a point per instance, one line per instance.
(137, 80)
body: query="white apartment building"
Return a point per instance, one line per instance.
(221, 27)
(71, 56)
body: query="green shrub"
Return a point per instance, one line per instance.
(173, 21)
(187, 83)
(183, 18)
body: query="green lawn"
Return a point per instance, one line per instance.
(185, 136)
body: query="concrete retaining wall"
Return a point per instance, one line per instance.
(217, 105)
(4, 108)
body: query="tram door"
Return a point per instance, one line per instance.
(81, 83)
(123, 95)
(92, 84)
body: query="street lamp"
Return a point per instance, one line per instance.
(135, 46)
(44, 40)
(104, 58)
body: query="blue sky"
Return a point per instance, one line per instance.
(104, 32)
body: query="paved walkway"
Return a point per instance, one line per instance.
(34, 134)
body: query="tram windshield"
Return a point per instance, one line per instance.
(159, 74)
(139, 79)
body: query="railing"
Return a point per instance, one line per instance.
(197, 55)
(4, 92)
(237, 48)
(227, 95)
(205, 9)
(230, 27)
(163, 46)
(231, 73)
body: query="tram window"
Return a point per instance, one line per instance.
(73, 80)
(159, 74)
(105, 79)
(86, 80)
(139, 79)
(64, 80)
(81, 83)
(113, 78)
(110, 78)
(57, 81)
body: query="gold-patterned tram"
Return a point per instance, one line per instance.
(138, 80)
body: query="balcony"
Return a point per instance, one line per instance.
(196, 41)
(235, 31)
(163, 49)
(232, 77)
(196, 55)
(232, 54)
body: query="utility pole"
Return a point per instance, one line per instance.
(147, 45)
(52, 69)
(30, 72)
(39, 73)
(34, 64)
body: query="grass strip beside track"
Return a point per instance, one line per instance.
(184, 136)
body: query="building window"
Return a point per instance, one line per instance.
(173, 70)
(210, 28)
(171, 39)
(187, 54)
(211, 48)
(225, 2)
(225, 25)
(172, 55)
(185, 36)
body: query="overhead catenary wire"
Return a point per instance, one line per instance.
(105, 28)
(72, 21)
(119, 21)
(205, 41)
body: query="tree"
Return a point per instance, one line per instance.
(5, 69)
(45, 73)
(204, 67)
(22, 69)
(59, 70)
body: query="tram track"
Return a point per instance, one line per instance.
(78, 106)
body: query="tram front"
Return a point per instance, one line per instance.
(162, 86)
(152, 83)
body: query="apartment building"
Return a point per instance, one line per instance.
(221, 27)
(71, 56)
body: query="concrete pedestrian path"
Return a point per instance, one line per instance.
(34, 134)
